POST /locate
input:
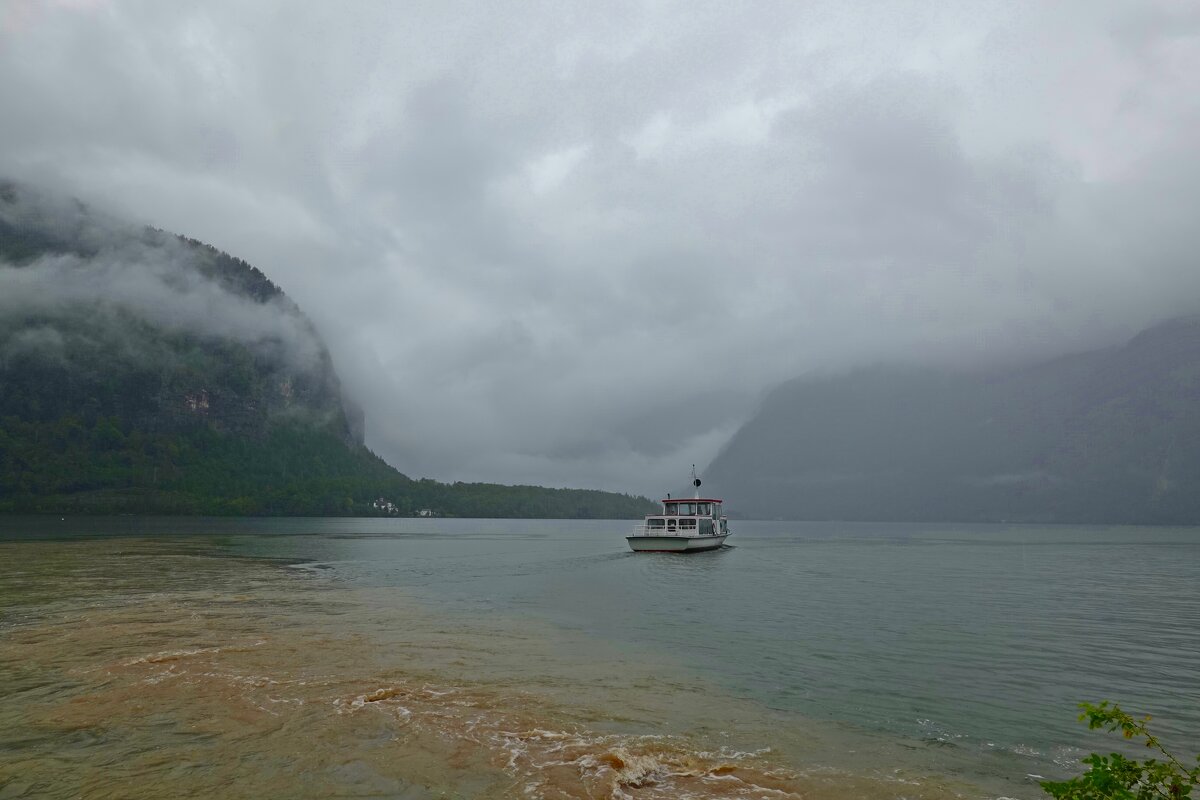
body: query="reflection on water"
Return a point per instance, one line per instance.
(137, 668)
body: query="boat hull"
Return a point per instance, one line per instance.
(674, 544)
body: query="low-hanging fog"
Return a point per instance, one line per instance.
(148, 275)
(571, 244)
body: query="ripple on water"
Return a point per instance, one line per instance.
(250, 680)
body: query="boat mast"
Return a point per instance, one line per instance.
(695, 482)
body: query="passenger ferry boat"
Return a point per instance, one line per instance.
(684, 526)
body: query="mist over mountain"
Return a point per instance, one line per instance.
(143, 371)
(153, 328)
(1106, 436)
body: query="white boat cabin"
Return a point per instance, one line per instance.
(696, 516)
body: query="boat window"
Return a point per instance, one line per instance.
(670, 508)
(655, 523)
(704, 510)
(687, 523)
(687, 508)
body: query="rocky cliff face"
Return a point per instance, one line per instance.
(1106, 436)
(102, 319)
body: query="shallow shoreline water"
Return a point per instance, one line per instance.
(314, 660)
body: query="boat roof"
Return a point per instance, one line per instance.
(692, 500)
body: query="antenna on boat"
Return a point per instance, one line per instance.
(695, 481)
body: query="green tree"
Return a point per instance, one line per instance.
(1116, 777)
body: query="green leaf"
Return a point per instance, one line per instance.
(1116, 777)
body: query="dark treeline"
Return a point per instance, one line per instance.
(101, 466)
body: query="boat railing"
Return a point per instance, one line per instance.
(684, 527)
(642, 529)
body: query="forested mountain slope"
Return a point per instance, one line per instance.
(145, 372)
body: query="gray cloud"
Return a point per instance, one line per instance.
(111, 268)
(43, 342)
(162, 290)
(571, 243)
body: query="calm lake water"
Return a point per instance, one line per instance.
(480, 658)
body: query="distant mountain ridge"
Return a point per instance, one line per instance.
(146, 372)
(1108, 436)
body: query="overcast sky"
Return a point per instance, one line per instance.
(572, 244)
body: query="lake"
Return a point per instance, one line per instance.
(422, 658)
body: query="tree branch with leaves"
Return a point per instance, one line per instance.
(1116, 777)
